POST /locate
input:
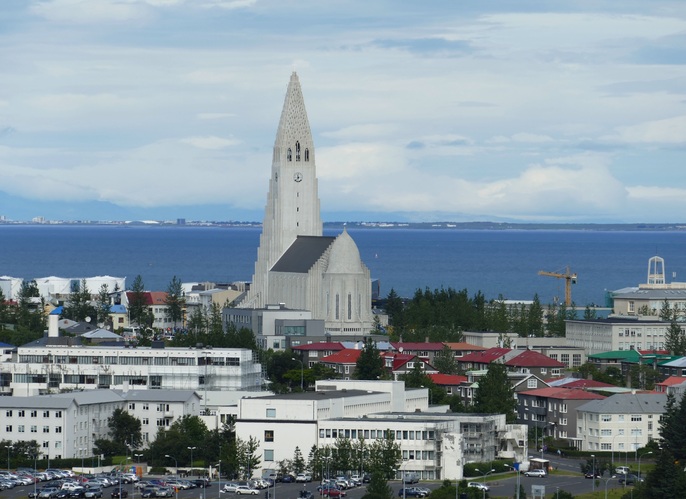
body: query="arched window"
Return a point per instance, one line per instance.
(307, 154)
(297, 151)
(338, 306)
(350, 306)
(288, 154)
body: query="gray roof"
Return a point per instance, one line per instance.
(319, 395)
(60, 400)
(628, 403)
(650, 294)
(303, 254)
(680, 362)
(157, 395)
(101, 333)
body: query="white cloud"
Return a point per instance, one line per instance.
(88, 11)
(210, 142)
(666, 131)
(214, 116)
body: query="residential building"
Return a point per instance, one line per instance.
(532, 362)
(675, 367)
(520, 382)
(434, 445)
(553, 410)
(313, 353)
(449, 382)
(621, 423)
(615, 333)
(674, 385)
(156, 303)
(426, 351)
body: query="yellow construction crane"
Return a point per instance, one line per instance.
(569, 280)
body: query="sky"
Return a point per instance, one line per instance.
(442, 110)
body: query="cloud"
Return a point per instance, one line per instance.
(88, 11)
(214, 116)
(210, 142)
(665, 131)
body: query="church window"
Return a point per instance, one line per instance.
(350, 306)
(307, 154)
(338, 315)
(297, 151)
(288, 154)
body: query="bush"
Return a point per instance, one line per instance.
(497, 466)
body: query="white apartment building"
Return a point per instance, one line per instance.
(613, 333)
(59, 288)
(433, 444)
(620, 423)
(52, 364)
(66, 425)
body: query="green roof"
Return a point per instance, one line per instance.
(628, 355)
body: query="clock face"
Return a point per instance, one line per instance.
(297, 176)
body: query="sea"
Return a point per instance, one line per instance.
(498, 263)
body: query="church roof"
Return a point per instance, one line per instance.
(303, 254)
(344, 257)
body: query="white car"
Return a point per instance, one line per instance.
(478, 485)
(303, 477)
(535, 473)
(229, 487)
(245, 490)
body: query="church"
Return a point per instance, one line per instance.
(297, 265)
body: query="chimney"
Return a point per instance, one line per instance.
(53, 322)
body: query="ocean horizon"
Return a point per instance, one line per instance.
(496, 262)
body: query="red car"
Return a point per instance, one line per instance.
(331, 492)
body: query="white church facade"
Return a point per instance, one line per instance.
(297, 265)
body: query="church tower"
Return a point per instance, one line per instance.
(293, 201)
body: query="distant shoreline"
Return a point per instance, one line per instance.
(490, 226)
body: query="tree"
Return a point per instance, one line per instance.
(445, 362)
(298, 462)
(535, 317)
(495, 394)
(369, 364)
(124, 431)
(378, 487)
(102, 306)
(175, 301)
(394, 309)
(384, 455)
(138, 308)
(675, 340)
(246, 452)
(78, 307)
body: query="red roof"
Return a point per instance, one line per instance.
(346, 356)
(150, 297)
(399, 359)
(485, 357)
(554, 392)
(320, 346)
(649, 352)
(583, 383)
(672, 381)
(531, 358)
(435, 346)
(447, 379)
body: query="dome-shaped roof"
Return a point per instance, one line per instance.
(344, 257)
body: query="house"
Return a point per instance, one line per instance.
(343, 362)
(519, 381)
(449, 382)
(676, 367)
(399, 364)
(616, 333)
(530, 361)
(313, 353)
(156, 303)
(623, 422)
(675, 385)
(477, 361)
(552, 410)
(460, 349)
(426, 351)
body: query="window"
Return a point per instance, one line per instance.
(132, 406)
(20, 414)
(8, 414)
(620, 431)
(8, 428)
(531, 383)
(34, 414)
(271, 413)
(268, 435)
(606, 418)
(146, 421)
(297, 151)
(20, 428)
(636, 417)
(46, 429)
(58, 429)
(268, 454)
(34, 429)
(544, 370)
(46, 445)
(605, 446)
(563, 408)
(46, 414)
(563, 421)
(307, 154)
(620, 418)
(605, 432)
(58, 414)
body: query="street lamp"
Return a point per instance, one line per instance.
(593, 470)
(484, 480)
(191, 449)
(639, 462)
(121, 476)
(517, 470)
(219, 482)
(302, 368)
(34, 471)
(176, 465)
(81, 452)
(607, 480)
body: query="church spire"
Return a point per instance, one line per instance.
(293, 137)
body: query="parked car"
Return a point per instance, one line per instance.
(366, 478)
(163, 492)
(303, 477)
(306, 494)
(333, 492)
(622, 470)
(590, 475)
(536, 473)
(245, 490)
(629, 479)
(119, 493)
(478, 485)
(229, 487)
(92, 492)
(77, 492)
(411, 492)
(148, 492)
(48, 493)
(411, 478)
(288, 479)
(202, 483)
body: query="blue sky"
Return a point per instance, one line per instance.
(421, 111)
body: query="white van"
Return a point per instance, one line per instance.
(622, 470)
(411, 478)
